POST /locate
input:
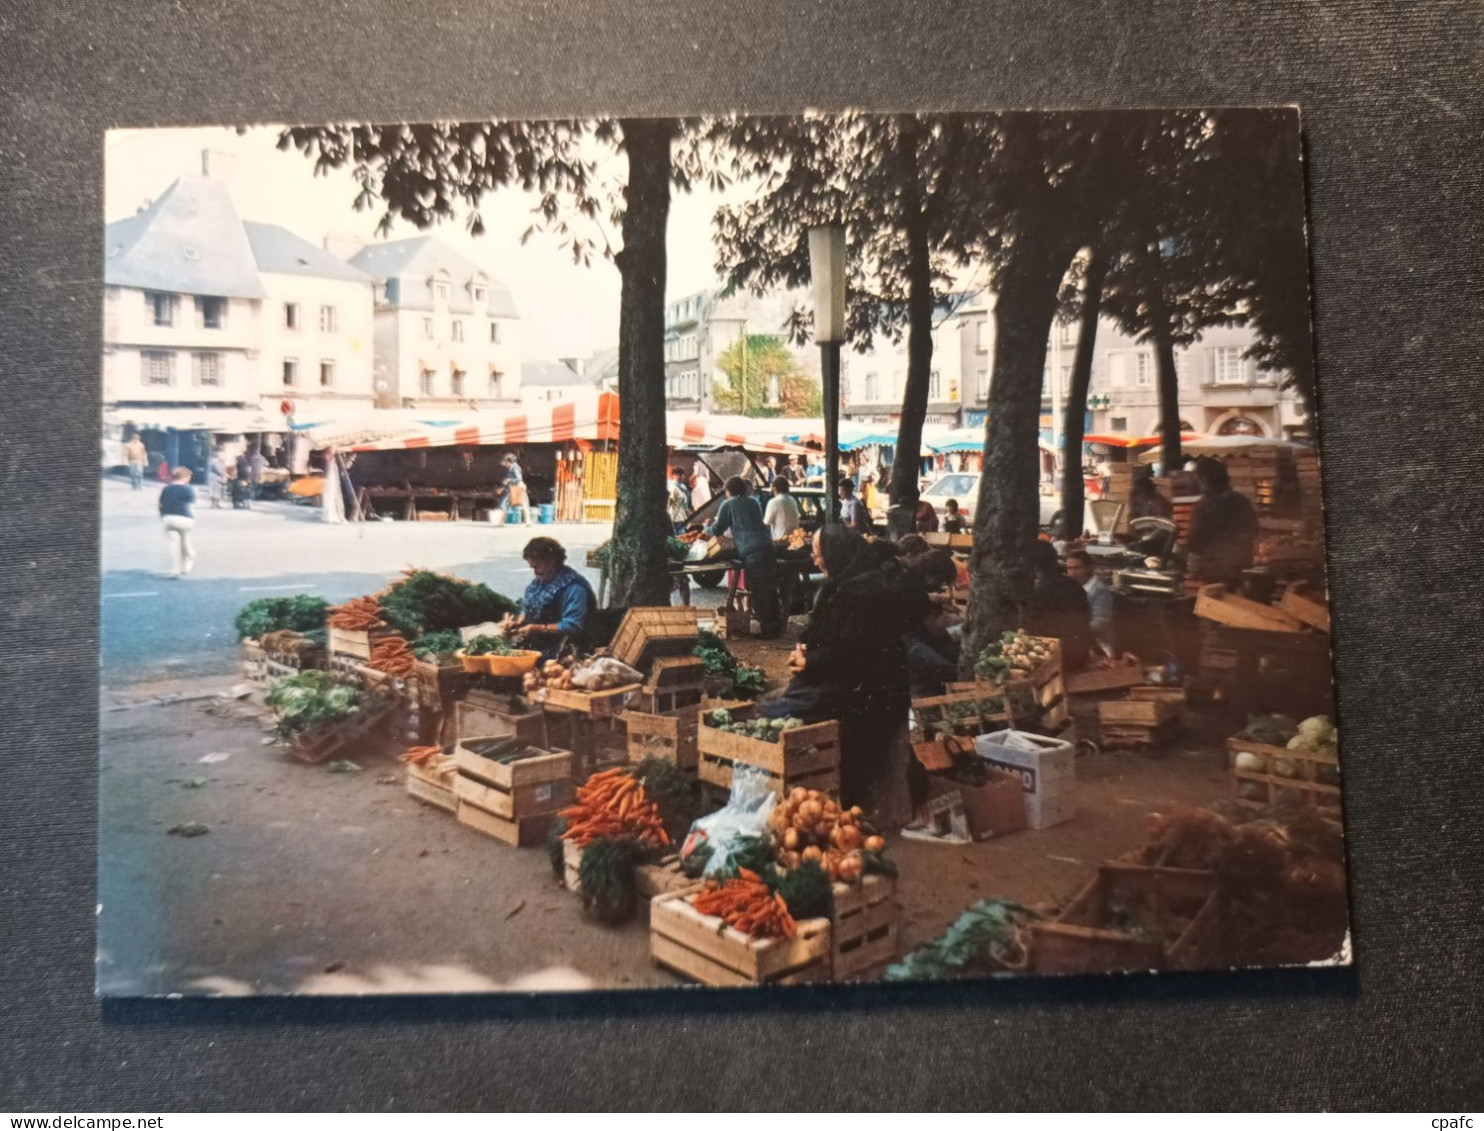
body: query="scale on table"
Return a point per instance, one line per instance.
(1107, 513)
(1154, 539)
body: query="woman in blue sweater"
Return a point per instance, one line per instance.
(559, 603)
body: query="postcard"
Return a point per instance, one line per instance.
(712, 551)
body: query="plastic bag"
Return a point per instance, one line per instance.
(729, 832)
(604, 671)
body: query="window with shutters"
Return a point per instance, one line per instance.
(425, 383)
(497, 382)
(158, 367)
(456, 383)
(329, 320)
(290, 372)
(427, 329)
(1117, 370)
(206, 369)
(456, 329)
(291, 316)
(1144, 374)
(982, 383)
(494, 333)
(326, 374)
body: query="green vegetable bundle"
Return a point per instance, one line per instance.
(490, 646)
(311, 699)
(432, 645)
(986, 936)
(718, 664)
(765, 730)
(275, 614)
(424, 601)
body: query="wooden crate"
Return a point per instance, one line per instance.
(540, 767)
(650, 880)
(1307, 762)
(1305, 607)
(807, 756)
(541, 799)
(1128, 672)
(1178, 910)
(523, 833)
(439, 684)
(358, 642)
(606, 704)
(434, 784)
(704, 948)
(931, 709)
(1214, 603)
(598, 750)
(342, 739)
(647, 633)
(671, 736)
(483, 713)
(673, 682)
(864, 929)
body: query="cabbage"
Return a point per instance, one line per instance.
(1252, 763)
(1285, 767)
(1316, 733)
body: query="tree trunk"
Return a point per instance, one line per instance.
(905, 470)
(1169, 398)
(1007, 514)
(1073, 490)
(638, 573)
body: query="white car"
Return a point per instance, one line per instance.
(964, 486)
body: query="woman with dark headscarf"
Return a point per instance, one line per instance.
(850, 665)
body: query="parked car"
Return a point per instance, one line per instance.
(964, 486)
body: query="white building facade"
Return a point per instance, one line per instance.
(445, 331)
(194, 312)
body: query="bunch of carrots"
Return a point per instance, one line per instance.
(420, 755)
(747, 905)
(393, 655)
(359, 614)
(613, 804)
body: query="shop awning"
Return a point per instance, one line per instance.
(548, 424)
(1185, 438)
(1111, 439)
(222, 421)
(970, 440)
(728, 431)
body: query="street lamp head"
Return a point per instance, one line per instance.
(827, 271)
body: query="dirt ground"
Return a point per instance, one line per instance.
(313, 881)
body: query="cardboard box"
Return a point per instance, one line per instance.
(1047, 769)
(995, 808)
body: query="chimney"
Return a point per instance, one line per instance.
(343, 246)
(219, 165)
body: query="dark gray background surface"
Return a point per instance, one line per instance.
(1393, 114)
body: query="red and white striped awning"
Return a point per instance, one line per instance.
(554, 424)
(714, 433)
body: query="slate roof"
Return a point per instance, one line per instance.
(549, 374)
(414, 261)
(189, 241)
(279, 252)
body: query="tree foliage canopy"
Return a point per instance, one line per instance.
(764, 380)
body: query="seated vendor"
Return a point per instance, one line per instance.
(1145, 501)
(559, 603)
(1058, 607)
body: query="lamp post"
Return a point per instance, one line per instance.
(827, 273)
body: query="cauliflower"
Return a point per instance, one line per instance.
(1316, 733)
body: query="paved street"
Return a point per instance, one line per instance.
(155, 627)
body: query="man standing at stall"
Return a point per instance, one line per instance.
(743, 518)
(1058, 607)
(1222, 540)
(1099, 599)
(853, 513)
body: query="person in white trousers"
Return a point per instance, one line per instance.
(177, 512)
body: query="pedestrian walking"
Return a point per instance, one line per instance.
(216, 479)
(136, 456)
(514, 493)
(177, 512)
(257, 463)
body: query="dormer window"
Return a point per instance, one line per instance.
(481, 294)
(440, 292)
